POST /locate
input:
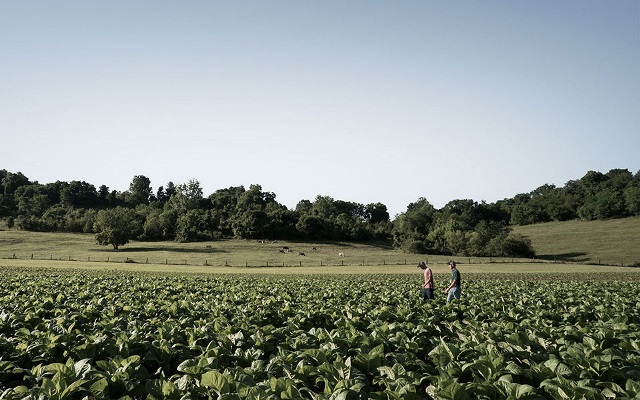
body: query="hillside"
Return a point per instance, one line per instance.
(611, 242)
(615, 241)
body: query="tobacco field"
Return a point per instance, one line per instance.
(123, 335)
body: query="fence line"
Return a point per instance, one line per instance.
(434, 260)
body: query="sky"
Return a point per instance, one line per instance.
(363, 101)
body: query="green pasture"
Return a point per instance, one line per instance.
(80, 251)
(613, 242)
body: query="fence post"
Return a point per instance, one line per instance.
(166, 261)
(206, 263)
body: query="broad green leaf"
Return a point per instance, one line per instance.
(169, 390)
(72, 388)
(56, 368)
(216, 381)
(522, 390)
(98, 387)
(453, 391)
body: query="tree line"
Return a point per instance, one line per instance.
(182, 213)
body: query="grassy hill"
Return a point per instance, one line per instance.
(614, 242)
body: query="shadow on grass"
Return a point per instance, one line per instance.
(346, 245)
(130, 250)
(575, 256)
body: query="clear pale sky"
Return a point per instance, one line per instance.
(363, 101)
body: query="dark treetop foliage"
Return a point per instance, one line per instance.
(183, 213)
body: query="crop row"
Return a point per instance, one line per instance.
(108, 335)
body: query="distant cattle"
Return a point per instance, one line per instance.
(301, 254)
(281, 251)
(340, 254)
(313, 248)
(208, 247)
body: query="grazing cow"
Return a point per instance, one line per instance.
(281, 251)
(285, 247)
(302, 254)
(208, 247)
(340, 254)
(313, 248)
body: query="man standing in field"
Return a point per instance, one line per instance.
(427, 286)
(453, 289)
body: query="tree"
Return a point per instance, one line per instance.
(116, 226)
(313, 227)
(103, 195)
(607, 203)
(140, 190)
(377, 212)
(281, 221)
(10, 182)
(79, 194)
(223, 204)
(187, 196)
(250, 219)
(463, 212)
(193, 226)
(32, 200)
(412, 228)
(632, 200)
(510, 245)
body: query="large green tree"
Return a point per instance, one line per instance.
(139, 190)
(79, 195)
(116, 226)
(411, 228)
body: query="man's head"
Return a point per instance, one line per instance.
(422, 265)
(452, 264)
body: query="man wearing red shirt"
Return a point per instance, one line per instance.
(427, 286)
